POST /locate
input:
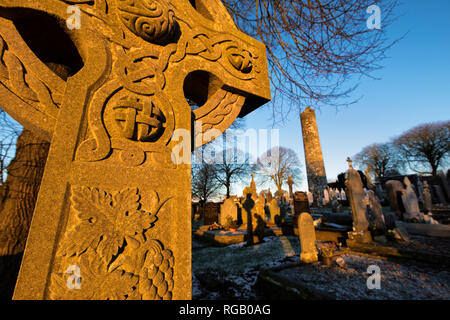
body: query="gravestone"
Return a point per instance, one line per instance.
(260, 206)
(301, 204)
(379, 192)
(115, 197)
(290, 183)
(426, 196)
(253, 186)
(274, 211)
(259, 217)
(376, 217)
(410, 202)
(269, 196)
(337, 193)
(358, 205)
(326, 197)
(369, 182)
(210, 213)
(439, 194)
(307, 235)
(310, 198)
(445, 185)
(393, 188)
(228, 209)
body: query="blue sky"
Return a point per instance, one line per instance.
(414, 88)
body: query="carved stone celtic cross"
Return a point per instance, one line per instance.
(112, 219)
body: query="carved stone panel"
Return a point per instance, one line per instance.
(114, 126)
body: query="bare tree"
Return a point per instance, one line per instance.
(235, 166)
(204, 182)
(380, 158)
(277, 164)
(425, 147)
(315, 47)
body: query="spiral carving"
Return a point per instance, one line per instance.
(152, 20)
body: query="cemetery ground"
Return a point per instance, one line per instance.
(272, 270)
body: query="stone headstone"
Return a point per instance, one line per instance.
(301, 204)
(337, 193)
(426, 198)
(269, 196)
(210, 213)
(274, 211)
(260, 206)
(115, 197)
(355, 192)
(389, 220)
(253, 185)
(326, 197)
(310, 198)
(228, 209)
(290, 183)
(343, 195)
(379, 192)
(439, 194)
(307, 235)
(393, 187)
(410, 202)
(445, 185)
(369, 182)
(376, 217)
(259, 217)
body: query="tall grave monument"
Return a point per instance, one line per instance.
(315, 168)
(113, 210)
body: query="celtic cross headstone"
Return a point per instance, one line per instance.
(112, 219)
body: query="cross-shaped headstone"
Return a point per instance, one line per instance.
(112, 219)
(290, 183)
(349, 160)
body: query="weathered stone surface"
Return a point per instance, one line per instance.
(439, 194)
(114, 201)
(307, 236)
(393, 188)
(269, 196)
(310, 198)
(410, 202)
(444, 184)
(376, 217)
(355, 192)
(210, 213)
(315, 168)
(426, 198)
(290, 183)
(228, 209)
(274, 211)
(326, 197)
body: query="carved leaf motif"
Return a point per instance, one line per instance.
(105, 221)
(96, 282)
